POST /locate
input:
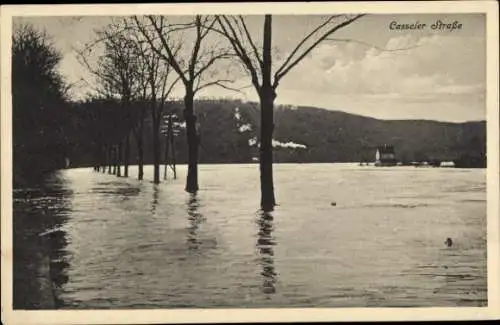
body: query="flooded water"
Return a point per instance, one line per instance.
(120, 243)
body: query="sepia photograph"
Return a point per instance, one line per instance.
(249, 159)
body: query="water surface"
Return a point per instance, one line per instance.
(121, 243)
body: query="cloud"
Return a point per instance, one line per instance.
(443, 77)
(433, 64)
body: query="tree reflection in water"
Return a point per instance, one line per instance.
(195, 219)
(40, 256)
(59, 263)
(154, 203)
(265, 247)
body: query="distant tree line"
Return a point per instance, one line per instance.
(329, 136)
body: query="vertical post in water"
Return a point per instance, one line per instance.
(170, 148)
(110, 159)
(119, 160)
(167, 149)
(126, 155)
(172, 144)
(114, 160)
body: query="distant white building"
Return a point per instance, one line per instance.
(447, 164)
(385, 156)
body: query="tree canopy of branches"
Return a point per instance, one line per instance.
(128, 70)
(258, 63)
(39, 99)
(192, 65)
(115, 78)
(158, 83)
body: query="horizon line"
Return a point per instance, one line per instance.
(283, 105)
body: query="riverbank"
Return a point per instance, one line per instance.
(32, 284)
(36, 245)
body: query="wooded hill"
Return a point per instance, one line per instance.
(227, 127)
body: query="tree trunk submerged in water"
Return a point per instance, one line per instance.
(267, 96)
(156, 149)
(140, 151)
(268, 200)
(259, 66)
(193, 141)
(139, 139)
(111, 158)
(104, 162)
(119, 160)
(126, 155)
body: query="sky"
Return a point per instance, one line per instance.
(384, 72)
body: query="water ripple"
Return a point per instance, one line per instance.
(120, 243)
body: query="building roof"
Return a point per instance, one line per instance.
(386, 148)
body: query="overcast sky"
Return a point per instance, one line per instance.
(442, 76)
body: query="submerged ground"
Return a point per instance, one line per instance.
(108, 242)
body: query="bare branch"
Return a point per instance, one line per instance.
(293, 63)
(196, 48)
(219, 83)
(172, 85)
(302, 42)
(252, 44)
(170, 58)
(381, 49)
(213, 58)
(229, 32)
(197, 86)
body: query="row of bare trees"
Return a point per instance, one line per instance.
(145, 58)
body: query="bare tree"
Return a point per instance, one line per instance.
(191, 65)
(116, 76)
(143, 95)
(157, 82)
(258, 64)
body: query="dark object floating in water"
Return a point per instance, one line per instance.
(448, 242)
(333, 204)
